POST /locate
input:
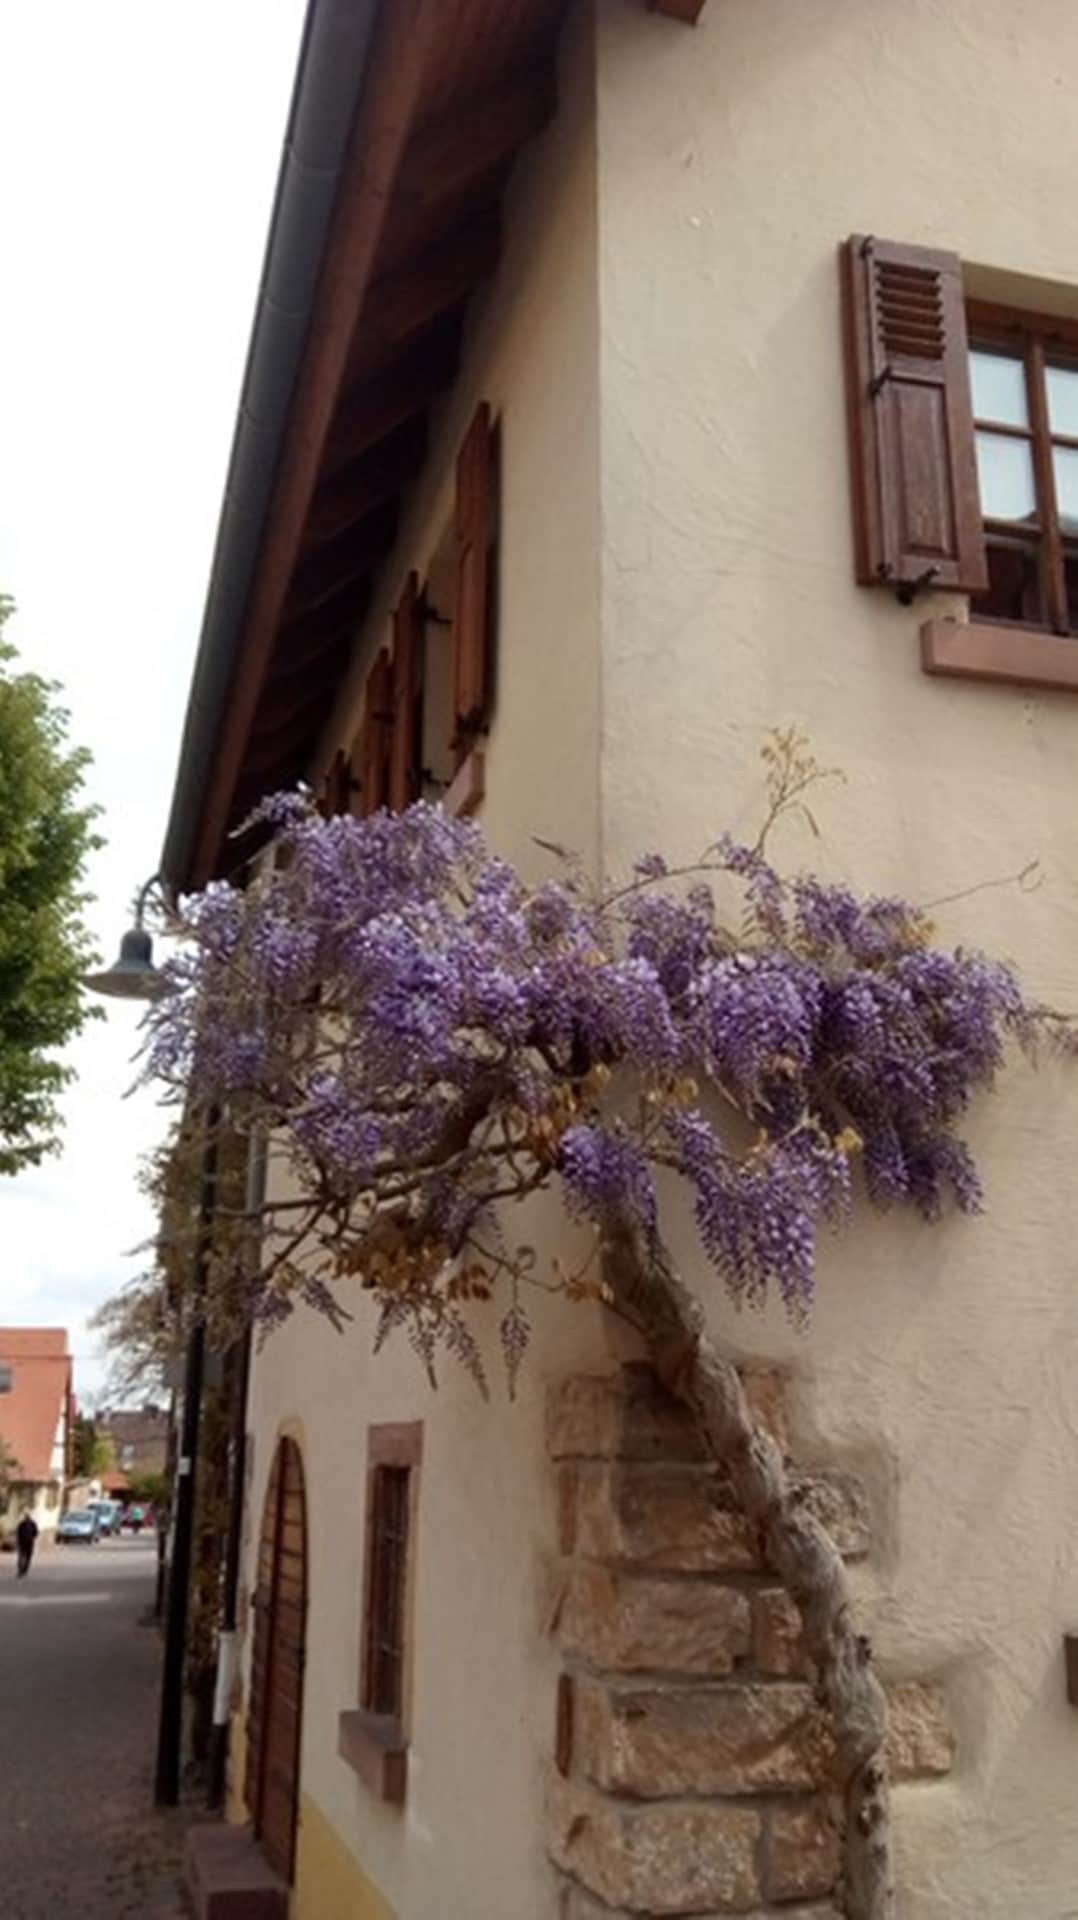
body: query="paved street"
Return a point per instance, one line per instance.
(79, 1839)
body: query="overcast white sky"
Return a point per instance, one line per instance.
(139, 144)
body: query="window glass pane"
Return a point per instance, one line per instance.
(1005, 471)
(999, 389)
(1062, 399)
(1065, 461)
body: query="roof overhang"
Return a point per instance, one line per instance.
(406, 118)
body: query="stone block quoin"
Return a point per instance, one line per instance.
(694, 1766)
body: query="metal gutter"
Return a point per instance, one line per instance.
(329, 76)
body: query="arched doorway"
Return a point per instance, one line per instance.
(276, 1697)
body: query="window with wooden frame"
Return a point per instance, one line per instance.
(964, 453)
(1024, 375)
(374, 1738)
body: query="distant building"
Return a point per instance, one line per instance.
(139, 1438)
(36, 1412)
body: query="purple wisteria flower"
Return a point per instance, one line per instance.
(427, 1037)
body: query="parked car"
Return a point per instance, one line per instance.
(79, 1523)
(108, 1514)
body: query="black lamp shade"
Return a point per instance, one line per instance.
(133, 976)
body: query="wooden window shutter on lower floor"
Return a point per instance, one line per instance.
(473, 608)
(376, 736)
(406, 754)
(917, 516)
(338, 786)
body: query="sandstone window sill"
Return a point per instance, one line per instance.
(375, 1747)
(1015, 656)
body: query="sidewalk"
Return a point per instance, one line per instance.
(80, 1838)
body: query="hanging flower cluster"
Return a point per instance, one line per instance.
(424, 1037)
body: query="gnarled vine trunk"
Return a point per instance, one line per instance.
(651, 1292)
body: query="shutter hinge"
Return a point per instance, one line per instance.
(877, 384)
(907, 593)
(430, 614)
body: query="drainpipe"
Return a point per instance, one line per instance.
(170, 1722)
(228, 1642)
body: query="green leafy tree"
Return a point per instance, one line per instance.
(149, 1490)
(46, 835)
(92, 1451)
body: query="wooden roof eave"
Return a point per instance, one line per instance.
(451, 89)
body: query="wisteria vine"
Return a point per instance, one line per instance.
(424, 1038)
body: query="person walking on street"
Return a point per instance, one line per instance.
(25, 1539)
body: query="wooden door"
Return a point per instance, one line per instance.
(276, 1697)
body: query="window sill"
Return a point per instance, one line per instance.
(374, 1746)
(467, 787)
(1018, 656)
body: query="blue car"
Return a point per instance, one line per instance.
(79, 1523)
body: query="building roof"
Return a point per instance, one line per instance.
(404, 126)
(32, 1342)
(39, 1366)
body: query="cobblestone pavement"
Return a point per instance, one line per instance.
(79, 1836)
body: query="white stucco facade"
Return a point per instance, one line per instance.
(662, 348)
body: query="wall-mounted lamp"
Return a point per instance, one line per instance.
(132, 975)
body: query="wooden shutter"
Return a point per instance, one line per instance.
(275, 1711)
(376, 735)
(687, 10)
(406, 751)
(472, 610)
(338, 786)
(917, 516)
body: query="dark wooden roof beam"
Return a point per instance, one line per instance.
(350, 557)
(474, 140)
(378, 475)
(340, 614)
(297, 702)
(371, 408)
(405, 301)
(292, 670)
(269, 754)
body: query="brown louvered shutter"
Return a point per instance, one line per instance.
(376, 735)
(406, 752)
(337, 787)
(917, 517)
(475, 533)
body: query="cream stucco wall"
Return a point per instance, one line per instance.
(731, 163)
(469, 1844)
(662, 346)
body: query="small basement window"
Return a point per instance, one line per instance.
(387, 1574)
(373, 1739)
